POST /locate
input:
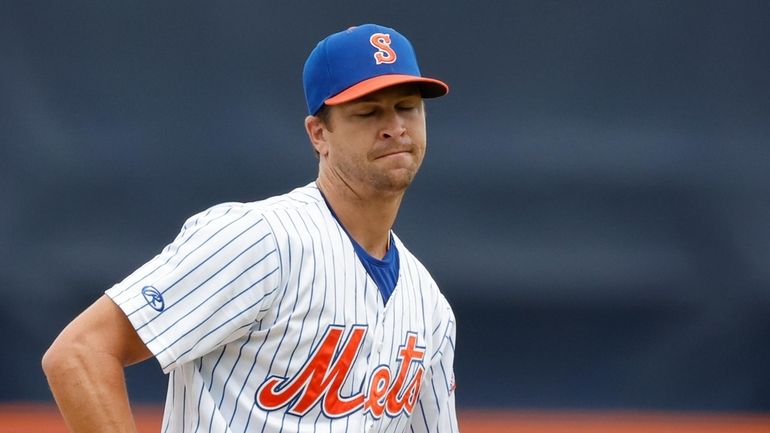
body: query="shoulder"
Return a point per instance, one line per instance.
(238, 213)
(292, 216)
(297, 199)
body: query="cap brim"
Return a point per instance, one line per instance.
(429, 87)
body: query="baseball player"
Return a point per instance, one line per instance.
(298, 313)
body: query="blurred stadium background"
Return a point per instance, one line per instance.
(595, 200)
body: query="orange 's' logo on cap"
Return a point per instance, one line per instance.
(385, 53)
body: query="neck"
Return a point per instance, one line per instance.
(367, 216)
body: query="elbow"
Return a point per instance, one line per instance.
(63, 356)
(53, 359)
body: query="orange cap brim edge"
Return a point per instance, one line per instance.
(429, 87)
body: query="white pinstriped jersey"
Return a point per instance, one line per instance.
(266, 321)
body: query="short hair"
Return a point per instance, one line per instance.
(324, 114)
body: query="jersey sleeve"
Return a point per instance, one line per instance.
(205, 289)
(435, 410)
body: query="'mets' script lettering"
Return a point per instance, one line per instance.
(322, 376)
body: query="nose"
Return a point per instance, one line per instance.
(393, 126)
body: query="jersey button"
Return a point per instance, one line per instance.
(378, 347)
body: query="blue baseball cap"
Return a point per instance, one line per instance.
(360, 60)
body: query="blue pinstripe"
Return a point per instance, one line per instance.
(184, 406)
(173, 400)
(178, 248)
(199, 264)
(446, 333)
(248, 375)
(422, 409)
(323, 306)
(232, 369)
(310, 302)
(202, 322)
(256, 356)
(220, 326)
(211, 295)
(299, 278)
(200, 396)
(213, 369)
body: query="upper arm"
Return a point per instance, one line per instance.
(84, 368)
(102, 328)
(207, 288)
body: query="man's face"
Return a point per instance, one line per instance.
(376, 143)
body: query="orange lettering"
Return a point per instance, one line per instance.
(406, 355)
(385, 53)
(327, 369)
(316, 381)
(378, 389)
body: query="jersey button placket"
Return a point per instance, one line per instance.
(379, 333)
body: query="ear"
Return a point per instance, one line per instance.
(316, 132)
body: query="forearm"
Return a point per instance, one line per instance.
(84, 367)
(90, 390)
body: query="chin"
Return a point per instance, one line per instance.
(394, 182)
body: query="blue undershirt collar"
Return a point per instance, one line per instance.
(383, 272)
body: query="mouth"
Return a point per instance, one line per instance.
(394, 153)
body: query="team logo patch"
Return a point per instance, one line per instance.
(385, 53)
(153, 298)
(320, 380)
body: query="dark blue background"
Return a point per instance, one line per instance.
(594, 203)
